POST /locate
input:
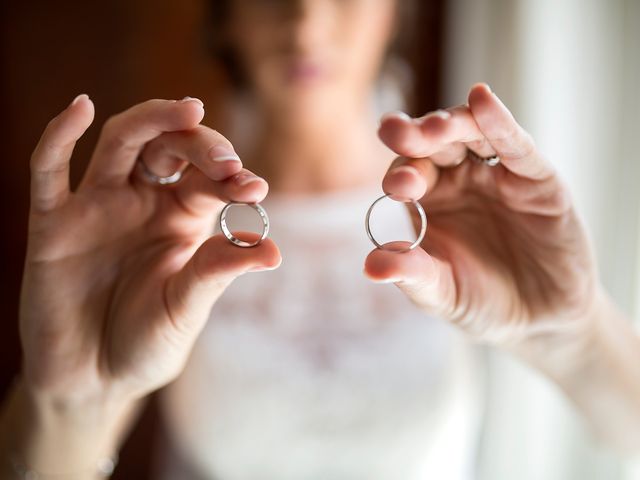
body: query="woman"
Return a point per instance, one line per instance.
(307, 371)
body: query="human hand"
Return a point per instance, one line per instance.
(119, 276)
(505, 256)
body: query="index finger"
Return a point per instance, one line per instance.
(512, 143)
(124, 136)
(428, 135)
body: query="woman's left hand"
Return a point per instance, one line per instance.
(505, 256)
(507, 259)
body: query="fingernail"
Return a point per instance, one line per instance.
(243, 180)
(259, 269)
(443, 114)
(82, 96)
(402, 168)
(397, 114)
(266, 269)
(262, 269)
(387, 280)
(220, 153)
(193, 99)
(483, 85)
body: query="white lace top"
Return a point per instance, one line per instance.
(314, 372)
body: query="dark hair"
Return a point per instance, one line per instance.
(418, 42)
(223, 52)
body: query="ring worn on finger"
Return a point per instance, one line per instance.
(423, 224)
(488, 161)
(233, 239)
(151, 177)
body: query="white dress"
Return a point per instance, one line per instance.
(314, 372)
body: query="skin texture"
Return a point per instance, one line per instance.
(507, 260)
(132, 256)
(505, 256)
(120, 275)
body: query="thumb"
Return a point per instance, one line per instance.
(193, 290)
(428, 281)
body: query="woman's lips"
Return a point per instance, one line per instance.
(305, 72)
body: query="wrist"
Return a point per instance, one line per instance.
(599, 369)
(74, 409)
(571, 343)
(73, 437)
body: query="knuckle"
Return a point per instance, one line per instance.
(35, 160)
(561, 200)
(201, 135)
(113, 123)
(515, 144)
(214, 135)
(112, 135)
(52, 124)
(479, 145)
(157, 147)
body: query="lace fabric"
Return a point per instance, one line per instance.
(313, 371)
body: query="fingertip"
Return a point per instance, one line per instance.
(404, 183)
(481, 95)
(223, 170)
(271, 257)
(434, 122)
(437, 118)
(481, 86)
(70, 124)
(85, 107)
(394, 263)
(79, 99)
(399, 135)
(219, 257)
(192, 99)
(81, 103)
(490, 113)
(189, 113)
(479, 91)
(248, 188)
(380, 266)
(265, 256)
(397, 116)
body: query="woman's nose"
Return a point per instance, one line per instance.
(311, 21)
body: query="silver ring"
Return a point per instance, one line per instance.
(488, 161)
(157, 179)
(423, 224)
(236, 241)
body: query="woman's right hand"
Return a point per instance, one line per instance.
(119, 276)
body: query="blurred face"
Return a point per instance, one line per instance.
(308, 57)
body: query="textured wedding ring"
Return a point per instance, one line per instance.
(423, 224)
(157, 179)
(236, 241)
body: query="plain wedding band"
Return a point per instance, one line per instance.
(423, 224)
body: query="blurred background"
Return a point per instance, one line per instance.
(568, 69)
